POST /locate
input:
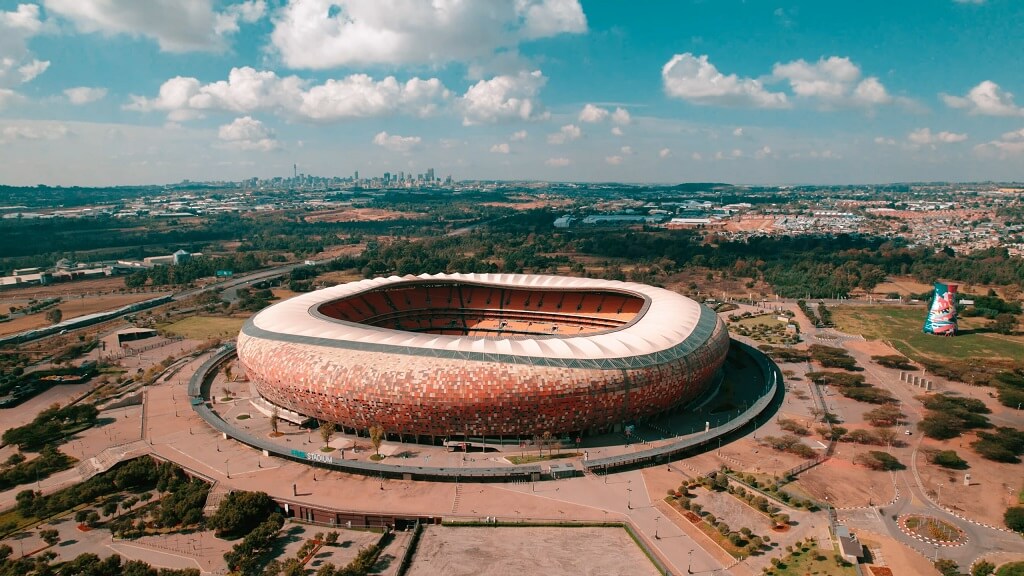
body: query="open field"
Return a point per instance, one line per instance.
(528, 550)
(205, 327)
(901, 326)
(72, 307)
(361, 215)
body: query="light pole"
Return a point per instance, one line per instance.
(629, 498)
(656, 518)
(689, 563)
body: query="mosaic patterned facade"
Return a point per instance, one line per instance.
(425, 392)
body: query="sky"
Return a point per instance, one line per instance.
(113, 92)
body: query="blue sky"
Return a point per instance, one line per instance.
(98, 92)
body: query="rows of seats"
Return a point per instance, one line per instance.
(419, 308)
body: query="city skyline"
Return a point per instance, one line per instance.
(116, 92)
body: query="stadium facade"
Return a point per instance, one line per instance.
(491, 355)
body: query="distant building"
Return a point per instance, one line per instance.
(564, 221)
(181, 257)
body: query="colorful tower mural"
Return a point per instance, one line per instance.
(942, 312)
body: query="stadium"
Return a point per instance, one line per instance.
(492, 356)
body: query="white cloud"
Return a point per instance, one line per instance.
(518, 136)
(696, 80)
(396, 143)
(627, 150)
(248, 90)
(883, 141)
(975, 2)
(696, 156)
(504, 98)
(925, 137)
(245, 133)
(1010, 144)
(176, 25)
(832, 81)
(38, 131)
(84, 95)
(616, 131)
(592, 114)
(613, 160)
(664, 153)
(566, 133)
(557, 162)
(763, 152)
(552, 17)
(502, 148)
(17, 65)
(25, 17)
(320, 34)
(621, 116)
(7, 97)
(737, 132)
(986, 99)
(248, 12)
(33, 69)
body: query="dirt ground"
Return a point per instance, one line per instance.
(859, 487)
(360, 215)
(92, 286)
(749, 224)
(71, 307)
(531, 203)
(528, 550)
(888, 552)
(993, 486)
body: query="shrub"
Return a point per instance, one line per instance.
(1014, 518)
(949, 459)
(877, 460)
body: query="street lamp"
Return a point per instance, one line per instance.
(656, 518)
(629, 498)
(689, 562)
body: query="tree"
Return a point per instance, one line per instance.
(546, 441)
(1004, 323)
(941, 426)
(53, 316)
(376, 437)
(1014, 518)
(241, 511)
(884, 415)
(227, 372)
(50, 536)
(273, 420)
(326, 431)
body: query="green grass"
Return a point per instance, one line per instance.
(901, 327)
(205, 327)
(12, 521)
(531, 458)
(807, 563)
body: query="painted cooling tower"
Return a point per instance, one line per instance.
(942, 312)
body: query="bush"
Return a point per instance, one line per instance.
(949, 459)
(894, 361)
(1014, 518)
(1005, 445)
(877, 460)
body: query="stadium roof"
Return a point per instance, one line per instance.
(669, 324)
